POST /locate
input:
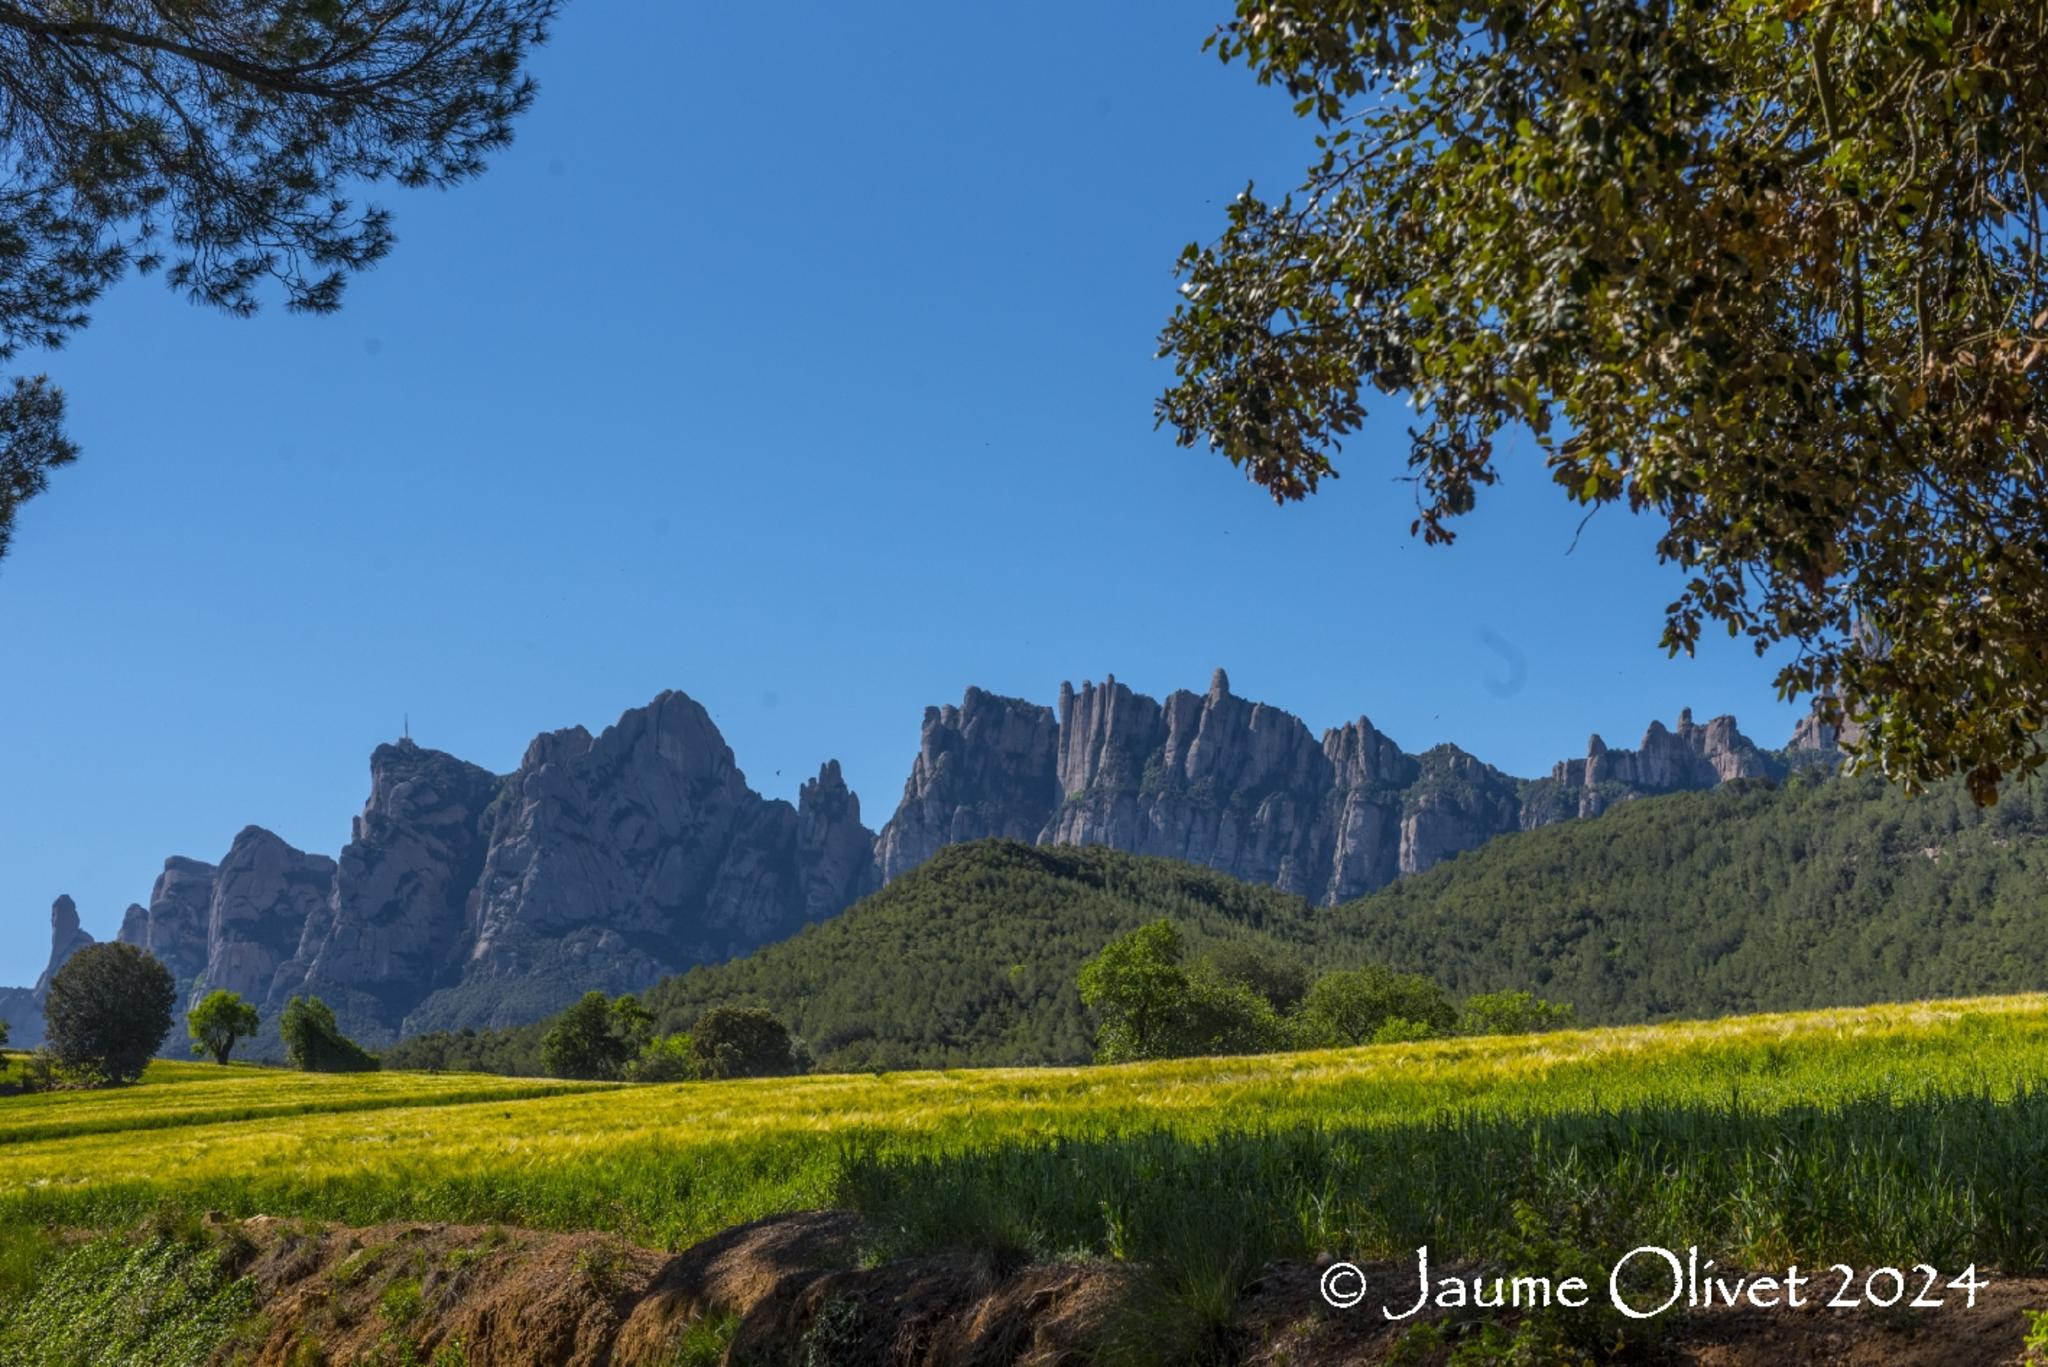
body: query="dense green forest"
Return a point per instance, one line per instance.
(1820, 891)
(972, 958)
(969, 959)
(1817, 892)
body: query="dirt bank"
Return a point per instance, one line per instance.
(789, 1290)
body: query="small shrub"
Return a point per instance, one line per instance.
(605, 1267)
(666, 1058)
(355, 1266)
(314, 1042)
(1512, 1013)
(835, 1335)
(1402, 1031)
(401, 1302)
(2036, 1342)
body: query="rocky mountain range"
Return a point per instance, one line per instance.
(466, 898)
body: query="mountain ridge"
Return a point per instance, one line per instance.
(465, 898)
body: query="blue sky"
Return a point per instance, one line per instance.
(801, 359)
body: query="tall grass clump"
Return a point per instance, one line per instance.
(1946, 1180)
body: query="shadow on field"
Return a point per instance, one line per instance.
(1946, 1180)
(1140, 1249)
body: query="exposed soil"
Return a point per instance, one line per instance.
(782, 1290)
(788, 1290)
(1291, 1327)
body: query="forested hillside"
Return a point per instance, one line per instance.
(1820, 891)
(1753, 897)
(971, 958)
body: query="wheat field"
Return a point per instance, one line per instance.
(1764, 1136)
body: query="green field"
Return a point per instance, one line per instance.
(1903, 1131)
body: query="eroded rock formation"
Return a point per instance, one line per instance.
(22, 1007)
(606, 862)
(988, 767)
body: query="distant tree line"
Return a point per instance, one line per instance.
(111, 1006)
(1150, 1002)
(617, 1040)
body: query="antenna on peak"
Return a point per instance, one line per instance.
(407, 724)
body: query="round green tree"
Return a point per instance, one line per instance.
(742, 1041)
(108, 1012)
(1355, 1006)
(219, 1021)
(595, 1038)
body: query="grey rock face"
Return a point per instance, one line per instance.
(1690, 757)
(134, 926)
(174, 925)
(1821, 740)
(834, 852)
(1244, 788)
(264, 893)
(463, 898)
(1211, 778)
(24, 1017)
(614, 860)
(988, 767)
(1456, 804)
(22, 1007)
(66, 939)
(1369, 774)
(396, 927)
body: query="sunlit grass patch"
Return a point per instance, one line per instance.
(1931, 1113)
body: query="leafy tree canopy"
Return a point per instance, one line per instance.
(1769, 271)
(1150, 1006)
(314, 1042)
(742, 1041)
(214, 140)
(666, 1058)
(1512, 1013)
(1358, 1005)
(596, 1038)
(1135, 987)
(1273, 974)
(108, 1011)
(219, 1021)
